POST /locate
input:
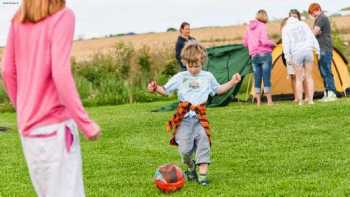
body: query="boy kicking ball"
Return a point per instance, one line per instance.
(190, 122)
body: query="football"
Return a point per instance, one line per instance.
(169, 178)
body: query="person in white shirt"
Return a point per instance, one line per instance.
(299, 44)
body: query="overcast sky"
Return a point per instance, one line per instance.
(103, 17)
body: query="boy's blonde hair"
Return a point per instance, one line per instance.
(261, 16)
(194, 54)
(36, 10)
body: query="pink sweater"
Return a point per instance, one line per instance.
(37, 74)
(256, 39)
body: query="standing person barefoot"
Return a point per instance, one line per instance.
(38, 80)
(260, 49)
(298, 46)
(290, 68)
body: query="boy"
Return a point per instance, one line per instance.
(190, 123)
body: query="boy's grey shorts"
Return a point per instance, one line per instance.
(303, 57)
(192, 138)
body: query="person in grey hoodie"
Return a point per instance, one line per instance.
(299, 44)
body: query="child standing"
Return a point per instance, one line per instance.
(190, 123)
(38, 80)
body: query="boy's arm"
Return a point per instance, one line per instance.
(236, 78)
(154, 87)
(171, 86)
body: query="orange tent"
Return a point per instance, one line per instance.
(281, 85)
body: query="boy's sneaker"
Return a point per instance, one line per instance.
(203, 180)
(191, 175)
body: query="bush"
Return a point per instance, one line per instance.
(171, 29)
(121, 76)
(5, 105)
(339, 42)
(118, 76)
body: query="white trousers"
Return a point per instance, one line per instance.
(54, 160)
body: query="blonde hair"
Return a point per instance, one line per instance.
(261, 16)
(194, 54)
(36, 10)
(283, 22)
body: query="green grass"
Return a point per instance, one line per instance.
(283, 150)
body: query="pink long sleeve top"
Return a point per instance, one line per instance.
(37, 74)
(256, 38)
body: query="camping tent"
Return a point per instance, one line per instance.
(226, 60)
(281, 85)
(223, 62)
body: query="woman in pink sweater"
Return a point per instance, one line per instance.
(37, 76)
(260, 48)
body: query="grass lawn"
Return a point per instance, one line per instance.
(283, 150)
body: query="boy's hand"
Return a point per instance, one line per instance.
(236, 78)
(152, 86)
